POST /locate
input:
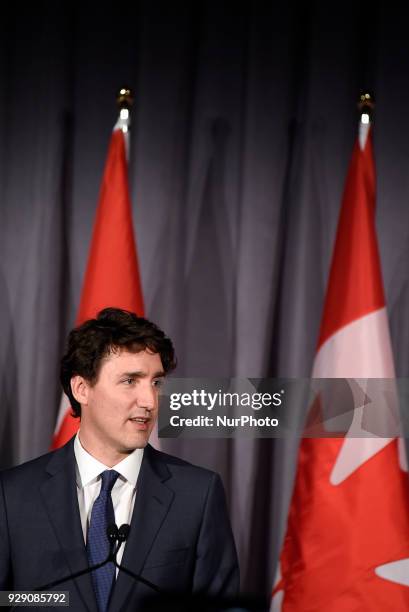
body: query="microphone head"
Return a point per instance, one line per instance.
(112, 533)
(123, 532)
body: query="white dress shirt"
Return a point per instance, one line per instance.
(88, 470)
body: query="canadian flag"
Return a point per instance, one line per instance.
(112, 274)
(346, 547)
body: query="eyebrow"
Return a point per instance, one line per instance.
(139, 374)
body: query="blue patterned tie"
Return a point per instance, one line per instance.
(97, 542)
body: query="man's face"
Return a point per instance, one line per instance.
(120, 409)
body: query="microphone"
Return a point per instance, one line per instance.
(116, 538)
(113, 536)
(112, 533)
(123, 532)
(122, 535)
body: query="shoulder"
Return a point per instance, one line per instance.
(31, 471)
(25, 471)
(196, 490)
(175, 464)
(181, 472)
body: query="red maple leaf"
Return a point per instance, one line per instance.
(337, 535)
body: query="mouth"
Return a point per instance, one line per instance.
(140, 423)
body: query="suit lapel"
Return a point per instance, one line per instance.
(152, 503)
(60, 499)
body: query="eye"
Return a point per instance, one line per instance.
(128, 381)
(158, 383)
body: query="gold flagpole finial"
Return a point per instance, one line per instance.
(366, 105)
(124, 98)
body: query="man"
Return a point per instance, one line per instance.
(54, 511)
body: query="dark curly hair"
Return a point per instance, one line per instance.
(113, 329)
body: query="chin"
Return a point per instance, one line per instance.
(140, 443)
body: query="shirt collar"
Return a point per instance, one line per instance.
(90, 468)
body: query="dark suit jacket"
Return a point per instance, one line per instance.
(180, 537)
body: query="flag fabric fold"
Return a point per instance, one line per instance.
(346, 548)
(112, 275)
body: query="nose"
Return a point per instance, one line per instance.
(146, 396)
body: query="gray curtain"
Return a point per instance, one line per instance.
(243, 125)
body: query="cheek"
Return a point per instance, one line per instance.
(106, 407)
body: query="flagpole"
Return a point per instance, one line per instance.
(124, 100)
(350, 499)
(366, 107)
(112, 249)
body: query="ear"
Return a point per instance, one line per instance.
(80, 389)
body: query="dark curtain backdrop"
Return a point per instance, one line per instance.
(243, 126)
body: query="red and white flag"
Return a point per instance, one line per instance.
(112, 274)
(347, 543)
